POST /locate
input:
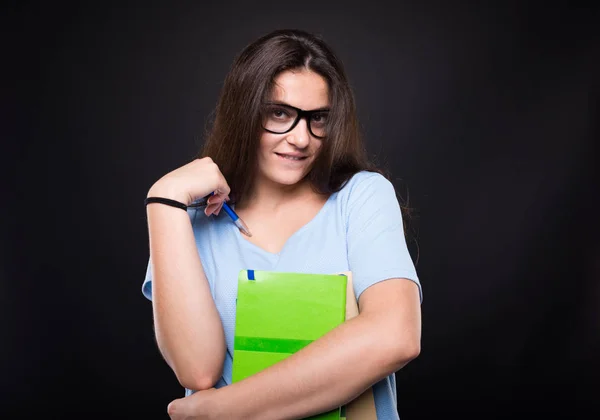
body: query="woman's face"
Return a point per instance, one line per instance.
(287, 158)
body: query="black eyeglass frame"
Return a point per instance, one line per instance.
(301, 114)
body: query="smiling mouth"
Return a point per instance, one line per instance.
(289, 157)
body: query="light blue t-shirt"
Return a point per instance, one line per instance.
(358, 229)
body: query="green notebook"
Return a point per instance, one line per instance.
(279, 313)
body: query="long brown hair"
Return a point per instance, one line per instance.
(233, 137)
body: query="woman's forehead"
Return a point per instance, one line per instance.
(303, 89)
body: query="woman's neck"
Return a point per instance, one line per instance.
(271, 196)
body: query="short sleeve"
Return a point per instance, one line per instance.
(377, 248)
(147, 284)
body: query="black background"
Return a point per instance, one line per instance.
(485, 114)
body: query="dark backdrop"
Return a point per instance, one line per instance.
(485, 115)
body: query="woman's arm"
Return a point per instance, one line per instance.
(188, 329)
(339, 366)
(342, 364)
(187, 325)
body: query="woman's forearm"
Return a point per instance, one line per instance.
(326, 374)
(187, 325)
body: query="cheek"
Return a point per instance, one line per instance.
(267, 143)
(316, 148)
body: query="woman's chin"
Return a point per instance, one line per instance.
(286, 178)
(288, 181)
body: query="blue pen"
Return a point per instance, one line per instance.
(236, 219)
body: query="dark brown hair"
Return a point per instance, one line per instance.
(233, 137)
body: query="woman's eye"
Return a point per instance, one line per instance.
(279, 113)
(319, 118)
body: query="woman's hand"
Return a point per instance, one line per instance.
(193, 181)
(199, 405)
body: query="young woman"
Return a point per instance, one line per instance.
(285, 152)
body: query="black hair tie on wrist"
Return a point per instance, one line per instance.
(167, 201)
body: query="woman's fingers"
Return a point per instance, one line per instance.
(214, 203)
(217, 199)
(213, 208)
(219, 209)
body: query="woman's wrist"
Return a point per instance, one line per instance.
(166, 190)
(224, 406)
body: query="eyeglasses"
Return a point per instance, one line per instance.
(281, 118)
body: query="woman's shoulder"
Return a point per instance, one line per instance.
(363, 182)
(367, 198)
(365, 175)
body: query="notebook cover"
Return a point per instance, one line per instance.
(362, 407)
(279, 313)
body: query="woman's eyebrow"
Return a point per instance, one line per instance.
(281, 103)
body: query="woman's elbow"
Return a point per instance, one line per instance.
(403, 351)
(197, 381)
(410, 351)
